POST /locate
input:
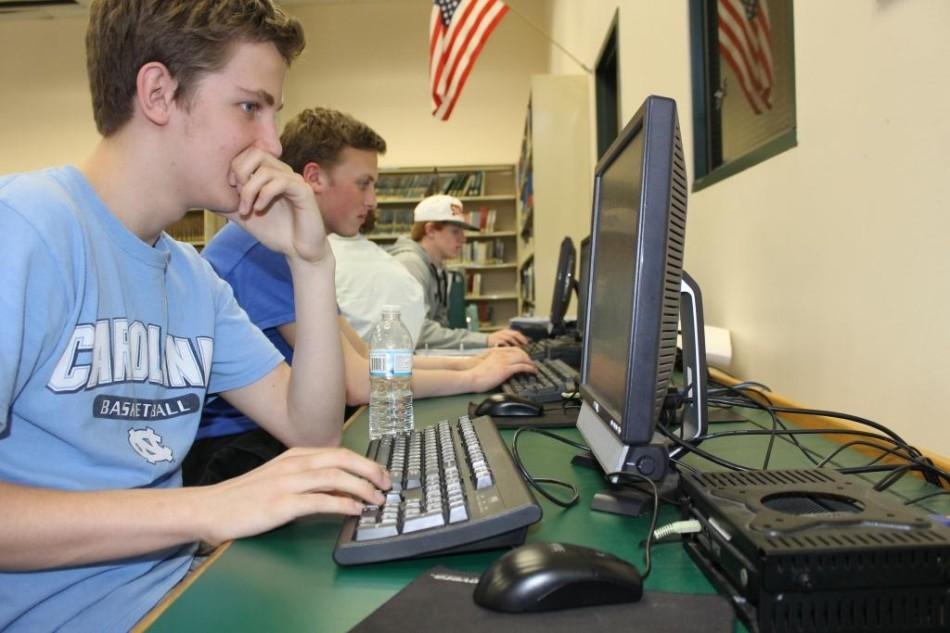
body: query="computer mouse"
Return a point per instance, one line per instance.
(549, 576)
(502, 405)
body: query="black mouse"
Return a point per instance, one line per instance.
(549, 576)
(502, 405)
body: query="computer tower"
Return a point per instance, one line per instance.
(815, 550)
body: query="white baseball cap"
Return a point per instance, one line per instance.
(442, 208)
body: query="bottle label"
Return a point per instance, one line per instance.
(389, 363)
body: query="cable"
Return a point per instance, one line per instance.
(791, 432)
(892, 478)
(747, 401)
(884, 452)
(929, 495)
(535, 482)
(751, 385)
(704, 454)
(809, 454)
(686, 466)
(648, 547)
(896, 472)
(928, 475)
(847, 416)
(722, 434)
(571, 401)
(689, 526)
(772, 411)
(921, 463)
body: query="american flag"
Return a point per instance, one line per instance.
(458, 30)
(745, 43)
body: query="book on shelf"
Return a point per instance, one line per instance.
(485, 312)
(484, 251)
(483, 218)
(461, 184)
(393, 220)
(527, 282)
(475, 186)
(391, 186)
(474, 283)
(394, 186)
(384, 220)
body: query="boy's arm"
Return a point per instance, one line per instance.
(47, 528)
(303, 406)
(501, 354)
(488, 373)
(431, 375)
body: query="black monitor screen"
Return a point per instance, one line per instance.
(583, 282)
(612, 288)
(637, 239)
(563, 284)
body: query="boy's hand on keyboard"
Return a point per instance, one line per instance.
(505, 354)
(508, 355)
(507, 337)
(495, 368)
(299, 482)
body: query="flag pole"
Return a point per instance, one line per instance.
(549, 38)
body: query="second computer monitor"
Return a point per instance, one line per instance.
(638, 235)
(563, 285)
(583, 283)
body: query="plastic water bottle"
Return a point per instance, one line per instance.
(390, 376)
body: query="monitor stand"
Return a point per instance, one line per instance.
(652, 460)
(621, 497)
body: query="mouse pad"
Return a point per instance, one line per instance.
(555, 416)
(440, 600)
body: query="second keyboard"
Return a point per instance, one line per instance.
(554, 377)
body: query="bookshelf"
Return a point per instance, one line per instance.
(554, 184)
(489, 258)
(197, 227)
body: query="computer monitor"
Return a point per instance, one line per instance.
(636, 293)
(563, 286)
(583, 282)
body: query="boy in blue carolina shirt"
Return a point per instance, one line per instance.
(112, 333)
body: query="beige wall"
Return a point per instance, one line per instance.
(829, 262)
(45, 110)
(366, 57)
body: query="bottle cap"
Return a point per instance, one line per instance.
(390, 307)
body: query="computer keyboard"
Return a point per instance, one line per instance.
(455, 489)
(554, 377)
(566, 348)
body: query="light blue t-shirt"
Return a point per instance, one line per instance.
(108, 348)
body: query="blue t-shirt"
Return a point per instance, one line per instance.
(108, 348)
(263, 286)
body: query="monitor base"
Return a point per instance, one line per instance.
(629, 501)
(623, 498)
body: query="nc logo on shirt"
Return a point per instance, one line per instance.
(148, 444)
